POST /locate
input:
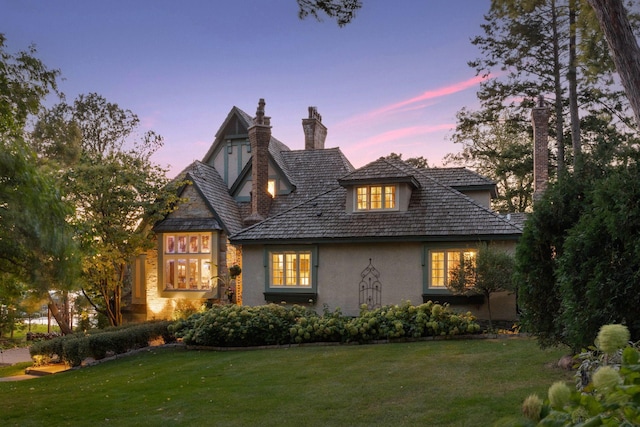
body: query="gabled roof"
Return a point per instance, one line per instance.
(382, 171)
(244, 119)
(215, 193)
(436, 212)
(210, 186)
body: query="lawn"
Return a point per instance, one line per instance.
(19, 338)
(430, 383)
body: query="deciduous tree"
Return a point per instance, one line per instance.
(114, 186)
(37, 251)
(489, 271)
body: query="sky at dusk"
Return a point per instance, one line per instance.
(391, 81)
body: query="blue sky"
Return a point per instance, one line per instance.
(391, 81)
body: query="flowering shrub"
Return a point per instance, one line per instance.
(610, 398)
(231, 325)
(409, 321)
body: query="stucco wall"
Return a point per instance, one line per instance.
(339, 275)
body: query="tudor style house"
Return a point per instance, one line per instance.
(306, 227)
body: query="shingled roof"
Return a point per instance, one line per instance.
(214, 192)
(312, 172)
(383, 170)
(461, 179)
(436, 212)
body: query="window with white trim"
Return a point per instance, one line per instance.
(187, 261)
(376, 197)
(443, 262)
(290, 269)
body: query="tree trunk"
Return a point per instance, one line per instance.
(61, 318)
(557, 88)
(572, 76)
(613, 20)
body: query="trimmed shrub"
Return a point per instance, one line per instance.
(73, 349)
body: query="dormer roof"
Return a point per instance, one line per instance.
(382, 171)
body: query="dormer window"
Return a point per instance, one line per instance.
(376, 197)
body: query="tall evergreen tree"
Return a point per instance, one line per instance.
(547, 47)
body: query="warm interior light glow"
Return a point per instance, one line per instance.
(271, 187)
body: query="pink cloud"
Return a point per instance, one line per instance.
(418, 102)
(401, 133)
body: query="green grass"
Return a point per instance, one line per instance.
(19, 338)
(12, 370)
(434, 383)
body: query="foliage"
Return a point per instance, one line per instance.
(115, 187)
(500, 150)
(417, 162)
(236, 326)
(593, 357)
(74, 349)
(37, 250)
(598, 271)
(490, 271)
(343, 11)
(25, 82)
(612, 397)
(234, 271)
(528, 49)
(537, 254)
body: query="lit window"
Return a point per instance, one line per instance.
(376, 197)
(271, 187)
(290, 269)
(444, 262)
(187, 261)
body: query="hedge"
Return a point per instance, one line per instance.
(73, 349)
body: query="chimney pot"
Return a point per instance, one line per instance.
(315, 132)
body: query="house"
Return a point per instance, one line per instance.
(306, 227)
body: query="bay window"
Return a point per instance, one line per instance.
(187, 261)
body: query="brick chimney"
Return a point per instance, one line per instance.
(259, 137)
(540, 121)
(314, 131)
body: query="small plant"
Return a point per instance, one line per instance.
(234, 271)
